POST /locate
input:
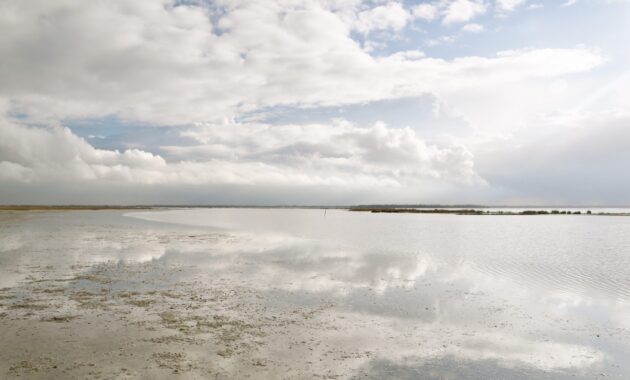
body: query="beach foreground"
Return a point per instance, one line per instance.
(102, 294)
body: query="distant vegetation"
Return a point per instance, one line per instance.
(472, 211)
(409, 209)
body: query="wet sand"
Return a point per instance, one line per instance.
(99, 295)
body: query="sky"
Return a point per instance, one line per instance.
(315, 102)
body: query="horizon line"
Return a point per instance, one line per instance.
(317, 206)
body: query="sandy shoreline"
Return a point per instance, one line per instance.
(90, 326)
(143, 318)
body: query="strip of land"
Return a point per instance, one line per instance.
(483, 212)
(373, 209)
(70, 207)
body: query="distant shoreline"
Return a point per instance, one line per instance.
(409, 209)
(484, 212)
(72, 208)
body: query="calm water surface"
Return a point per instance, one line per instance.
(561, 283)
(579, 255)
(408, 295)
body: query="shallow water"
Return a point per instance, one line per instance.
(305, 294)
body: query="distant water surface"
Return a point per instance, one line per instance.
(589, 256)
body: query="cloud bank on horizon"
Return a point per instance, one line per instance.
(314, 101)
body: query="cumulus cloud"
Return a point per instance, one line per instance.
(43, 154)
(250, 154)
(342, 148)
(164, 64)
(389, 16)
(459, 11)
(179, 64)
(10, 171)
(509, 5)
(425, 11)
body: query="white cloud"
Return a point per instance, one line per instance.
(473, 28)
(389, 16)
(34, 154)
(168, 65)
(509, 5)
(251, 154)
(376, 150)
(10, 171)
(425, 11)
(459, 11)
(153, 62)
